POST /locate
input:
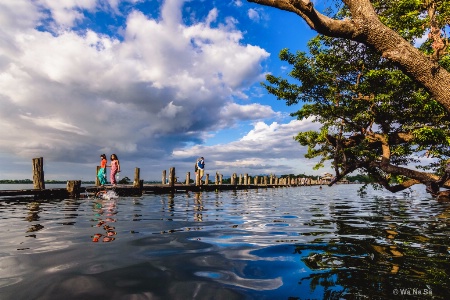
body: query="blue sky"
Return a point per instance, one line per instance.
(159, 83)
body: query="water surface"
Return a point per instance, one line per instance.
(284, 243)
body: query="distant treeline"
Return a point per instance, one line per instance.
(126, 180)
(29, 181)
(357, 178)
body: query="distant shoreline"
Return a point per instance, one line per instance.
(8, 181)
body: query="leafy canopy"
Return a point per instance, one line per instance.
(374, 118)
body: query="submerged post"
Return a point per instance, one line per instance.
(137, 179)
(73, 188)
(216, 179)
(206, 179)
(38, 173)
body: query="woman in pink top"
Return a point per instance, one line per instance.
(115, 168)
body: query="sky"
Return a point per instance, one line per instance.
(158, 83)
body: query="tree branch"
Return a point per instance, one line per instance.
(316, 21)
(365, 27)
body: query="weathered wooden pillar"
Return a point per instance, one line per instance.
(38, 173)
(240, 179)
(216, 179)
(235, 179)
(137, 177)
(206, 179)
(245, 178)
(97, 181)
(164, 177)
(255, 181)
(73, 188)
(265, 180)
(249, 180)
(220, 178)
(232, 180)
(197, 179)
(172, 177)
(188, 178)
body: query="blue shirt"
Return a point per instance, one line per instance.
(201, 164)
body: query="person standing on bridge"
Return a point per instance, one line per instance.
(115, 168)
(201, 168)
(101, 175)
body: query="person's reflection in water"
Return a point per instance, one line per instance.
(105, 208)
(198, 208)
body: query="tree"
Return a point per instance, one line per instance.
(365, 24)
(375, 119)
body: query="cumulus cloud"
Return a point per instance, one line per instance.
(68, 95)
(267, 148)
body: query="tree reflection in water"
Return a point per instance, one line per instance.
(411, 260)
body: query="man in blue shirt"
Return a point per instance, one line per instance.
(201, 167)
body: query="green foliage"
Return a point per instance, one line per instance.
(364, 101)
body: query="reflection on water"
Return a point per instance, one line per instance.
(287, 243)
(104, 213)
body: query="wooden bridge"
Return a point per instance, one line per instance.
(138, 188)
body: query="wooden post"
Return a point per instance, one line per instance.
(172, 177)
(188, 178)
(255, 181)
(97, 182)
(265, 180)
(197, 179)
(206, 179)
(220, 179)
(163, 179)
(216, 181)
(137, 177)
(38, 173)
(240, 179)
(73, 188)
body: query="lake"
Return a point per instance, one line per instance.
(281, 243)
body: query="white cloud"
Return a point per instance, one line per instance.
(265, 149)
(238, 3)
(69, 96)
(159, 85)
(253, 14)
